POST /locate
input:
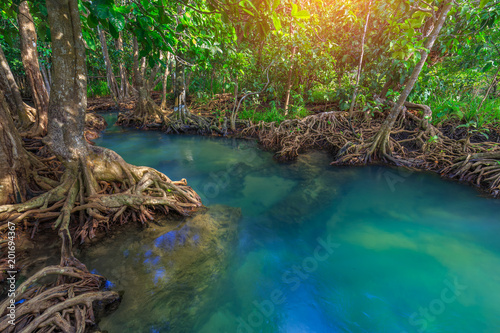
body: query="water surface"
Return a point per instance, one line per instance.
(301, 247)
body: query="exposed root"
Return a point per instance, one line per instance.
(107, 189)
(413, 142)
(482, 169)
(64, 303)
(324, 130)
(177, 122)
(94, 124)
(184, 121)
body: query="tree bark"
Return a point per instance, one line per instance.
(12, 93)
(110, 76)
(360, 65)
(165, 81)
(289, 82)
(145, 105)
(124, 84)
(46, 80)
(29, 55)
(385, 89)
(13, 159)
(136, 69)
(68, 97)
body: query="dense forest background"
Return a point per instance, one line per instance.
(313, 48)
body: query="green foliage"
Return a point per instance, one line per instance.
(221, 45)
(97, 89)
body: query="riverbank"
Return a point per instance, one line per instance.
(454, 151)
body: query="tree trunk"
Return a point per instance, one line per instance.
(136, 69)
(360, 65)
(12, 93)
(489, 88)
(29, 55)
(165, 81)
(46, 80)
(187, 80)
(68, 97)
(110, 76)
(385, 89)
(289, 82)
(124, 84)
(13, 159)
(212, 81)
(145, 106)
(233, 122)
(381, 142)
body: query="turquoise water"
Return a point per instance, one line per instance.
(301, 247)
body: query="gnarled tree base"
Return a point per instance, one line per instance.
(78, 199)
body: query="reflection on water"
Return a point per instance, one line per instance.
(306, 248)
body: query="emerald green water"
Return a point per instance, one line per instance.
(301, 247)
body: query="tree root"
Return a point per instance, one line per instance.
(291, 137)
(176, 122)
(482, 169)
(414, 142)
(106, 188)
(66, 303)
(82, 197)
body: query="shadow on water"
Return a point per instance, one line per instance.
(301, 247)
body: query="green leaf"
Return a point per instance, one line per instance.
(123, 9)
(118, 21)
(303, 15)
(294, 9)
(276, 3)
(113, 31)
(89, 40)
(251, 4)
(102, 11)
(7, 35)
(276, 21)
(146, 23)
(92, 21)
(248, 12)
(488, 66)
(483, 3)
